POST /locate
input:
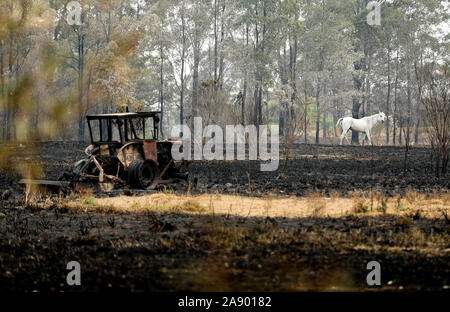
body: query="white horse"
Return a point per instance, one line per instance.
(364, 125)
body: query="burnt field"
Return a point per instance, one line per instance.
(342, 169)
(314, 224)
(310, 168)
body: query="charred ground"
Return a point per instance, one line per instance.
(326, 168)
(189, 247)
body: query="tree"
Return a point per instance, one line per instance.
(434, 87)
(25, 29)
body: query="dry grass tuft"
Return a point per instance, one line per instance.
(360, 207)
(317, 203)
(189, 206)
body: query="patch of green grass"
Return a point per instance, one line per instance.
(89, 201)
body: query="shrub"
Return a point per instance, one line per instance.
(360, 207)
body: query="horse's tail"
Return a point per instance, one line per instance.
(339, 122)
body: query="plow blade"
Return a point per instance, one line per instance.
(45, 185)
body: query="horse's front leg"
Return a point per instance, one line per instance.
(368, 137)
(361, 142)
(364, 139)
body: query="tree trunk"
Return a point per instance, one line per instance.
(408, 127)
(244, 94)
(81, 128)
(161, 90)
(195, 75)
(355, 114)
(416, 134)
(82, 109)
(335, 119)
(221, 54)
(356, 105)
(388, 93)
(9, 113)
(260, 104)
(408, 120)
(2, 93)
(368, 110)
(282, 119)
(183, 54)
(318, 114)
(395, 99)
(324, 118)
(305, 116)
(293, 47)
(215, 47)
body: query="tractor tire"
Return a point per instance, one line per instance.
(143, 174)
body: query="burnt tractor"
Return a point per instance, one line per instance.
(125, 151)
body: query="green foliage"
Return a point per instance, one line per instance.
(53, 74)
(89, 201)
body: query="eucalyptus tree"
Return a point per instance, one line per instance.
(25, 41)
(290, 30)
(326, 49)
(407, 36)
(263, 21)
(365, 39)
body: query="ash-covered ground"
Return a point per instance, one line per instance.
(190, 247)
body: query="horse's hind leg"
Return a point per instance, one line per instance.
(343, 135)
(346, 139)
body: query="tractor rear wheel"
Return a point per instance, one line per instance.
(143, 174)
